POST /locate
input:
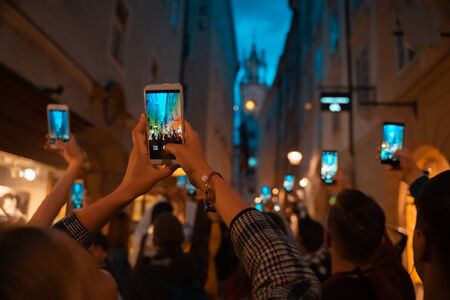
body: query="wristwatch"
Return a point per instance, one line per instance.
(209, 197)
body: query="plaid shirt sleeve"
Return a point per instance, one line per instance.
(73, 228)
(273, 261)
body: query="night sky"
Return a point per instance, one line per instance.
(268, 22)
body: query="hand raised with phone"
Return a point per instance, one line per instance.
(141, 175)
(190, 156)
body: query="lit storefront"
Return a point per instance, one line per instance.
(24, 183)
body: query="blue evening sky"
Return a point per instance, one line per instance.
(267, 23)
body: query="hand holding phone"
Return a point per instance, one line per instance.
(58, 123)
(77, 194)
(393, 135)
(164, 113)
(329, 166)
(289, 182)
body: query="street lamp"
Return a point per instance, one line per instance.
(250, 105)
(294, 157)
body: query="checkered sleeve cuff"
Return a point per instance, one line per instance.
(271, 259)
(73, 228)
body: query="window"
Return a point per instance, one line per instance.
(318, 64)
(404, 55)
(334, 32)
(362, 76)
(119, 28)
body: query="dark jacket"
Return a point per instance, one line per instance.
(153, 277)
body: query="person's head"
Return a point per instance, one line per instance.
(99, 247)
(432, 233)
(47, 264)
(119, 231)
(311, 234)
(168, 232)
(356, 226)
(160, 208)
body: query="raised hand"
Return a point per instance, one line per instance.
(141, 175)
(408, 166)
(190, 156)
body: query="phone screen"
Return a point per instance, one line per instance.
(266, 193)
(76, 195)
(164, 119)
(58, 125)
(329, 166)
(393, 134)
(288, 183)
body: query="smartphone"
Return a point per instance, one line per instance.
(164, 112)
(266, 193)
(288, 184)
(329, 167)
(58, 123)
(77, 194)
(393, 134)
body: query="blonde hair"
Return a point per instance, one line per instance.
(33, 265)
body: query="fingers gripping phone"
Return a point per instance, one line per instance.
(77, 194)
(329, 166)
(58, 123)
(393, 135)
(164, 113)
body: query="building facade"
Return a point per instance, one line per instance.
(211, 65)
(399, 72)
(97, 57)
(253, 90)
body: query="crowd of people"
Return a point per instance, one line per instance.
(351, 257)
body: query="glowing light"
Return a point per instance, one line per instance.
(275, 191)
(29, 174)
(308, 106)
(276, 207)
(252, 162)
(335, 107)
(179, 172)
(235, 108)
(294, 157)
(250, 105)
(303, 182)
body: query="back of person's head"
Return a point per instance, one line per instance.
(119, 231)
(34, 266)
(311, 234)
(357, 225)
(433, 217)
(278, 220)
(161, 208)
(168, 231)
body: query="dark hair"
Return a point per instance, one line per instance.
(100, 239)
(357, 225)
(278, 220)
(160, 208)
(119, 231)
(311, 234)
(33, 265)
(168, 231)
(433, 215)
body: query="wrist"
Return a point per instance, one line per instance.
(412, 176)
